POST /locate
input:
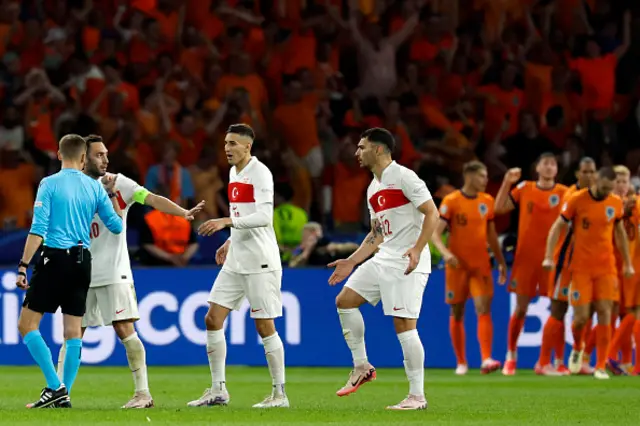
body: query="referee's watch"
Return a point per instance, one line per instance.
(111, 194)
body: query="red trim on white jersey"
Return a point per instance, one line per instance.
(386, 199)
(240, 192)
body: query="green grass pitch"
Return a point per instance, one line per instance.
(472, 400)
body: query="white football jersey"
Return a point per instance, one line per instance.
(252, 250)
(109, 252)
(394, 202)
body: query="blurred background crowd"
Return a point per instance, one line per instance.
(160, 80)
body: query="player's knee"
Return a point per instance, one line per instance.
(265, 328)
(213, 321)
(457, 311)
(348, 299)
(123, 329)
(558, 309)
(25, 327)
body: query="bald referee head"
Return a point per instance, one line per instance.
(72, 151)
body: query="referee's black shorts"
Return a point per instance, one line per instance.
(61, 278)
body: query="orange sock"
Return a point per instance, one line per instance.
(636, 337)
(591, 341)
(623, 334)
(578, 337)
(485, 335)
(550, 332)
(458, 340)
(560, 344)
(515, 327)
(603, 339)
(626, 348)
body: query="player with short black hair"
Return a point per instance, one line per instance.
(596, 217)
(111, 299)
(251, 269)
(65, 204)
(403, 218)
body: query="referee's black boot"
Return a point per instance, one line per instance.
(50, 398)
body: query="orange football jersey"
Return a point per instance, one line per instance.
(468, 218)
(566, 236)
(593, 223)
(539, 208)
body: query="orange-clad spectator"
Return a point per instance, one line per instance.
(39, 99)
(17, 179)
(429, 42)
(295, 122)
(108, 49)
(299, 180)
(406, 153)
(378, 55)
(87, 80)
(558, 96)
(288, 13)
(242, 75)
(300, 51)
(188, 137)
(503, 101)
(113, 79)
(170, 20)
(11, 30)
(207, 185)
(171, 177)
(145, 47)
(31, 46)
(350, 183)
(598, 74)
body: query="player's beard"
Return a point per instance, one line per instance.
(94, 171)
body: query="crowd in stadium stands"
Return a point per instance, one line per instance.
(160, 80)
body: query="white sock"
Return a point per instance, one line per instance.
(353, 332)
(217, 354)
(413, 352)
(274, 351)
(61, 354)
(137, 357)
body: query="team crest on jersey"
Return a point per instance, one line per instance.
(450, 295)
(610, 212)
(554, 200)
(513, 284)
(565, 291)
(483, 209)
(443, 209)
(575, 295)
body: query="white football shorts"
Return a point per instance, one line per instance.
(110, 303)
(401, 294)
(261, 290)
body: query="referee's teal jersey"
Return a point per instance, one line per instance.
(65, 205)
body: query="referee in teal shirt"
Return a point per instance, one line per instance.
(65, 205)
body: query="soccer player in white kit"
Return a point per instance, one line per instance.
(403, 218)
(251, 268)
(112, 298)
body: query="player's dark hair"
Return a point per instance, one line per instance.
(91, 139)
(607, 173)
(381, 137)
(473, 166)
(242, 130)
(72, 146)
(545, 156)
(587, 160)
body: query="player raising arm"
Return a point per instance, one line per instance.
(595, 215)
(403, 218)
(539, 204)
(251, 268)
(111, 299)
(468, 213)
(553, 331)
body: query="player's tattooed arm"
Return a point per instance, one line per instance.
(376, 233)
